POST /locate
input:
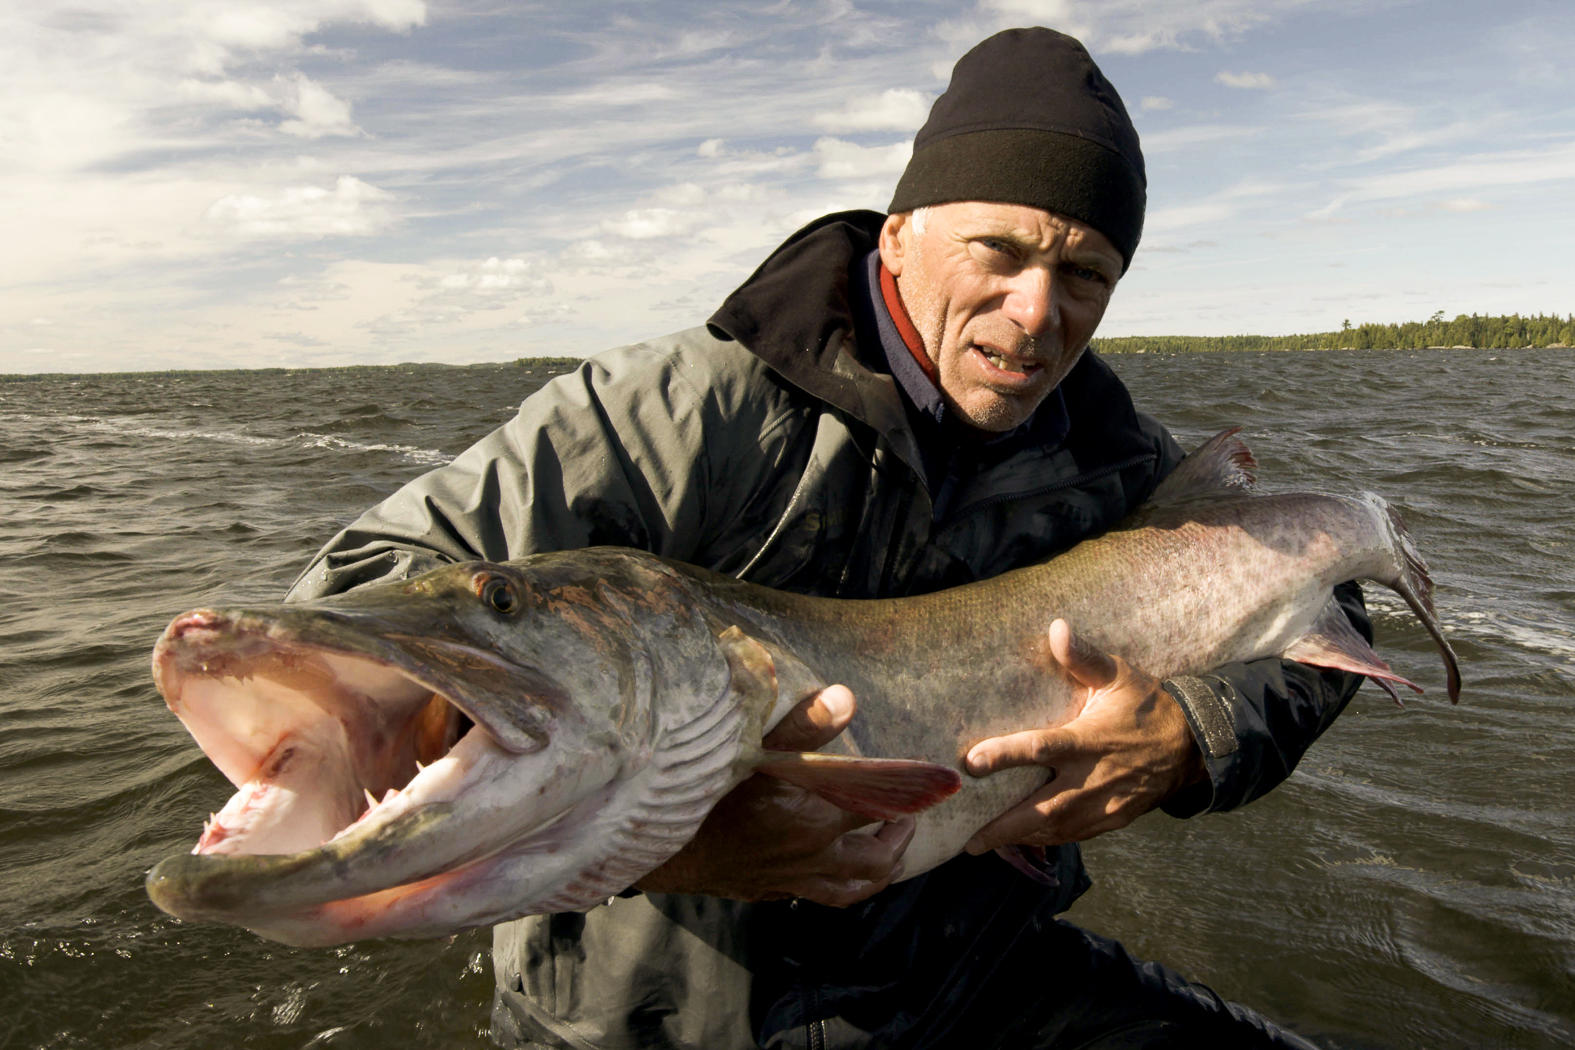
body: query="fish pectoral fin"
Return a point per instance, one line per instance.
(753, 672)
(1333, 642)
(878, 788)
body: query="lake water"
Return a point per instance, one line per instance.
(1411, 885)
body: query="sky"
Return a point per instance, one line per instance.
(305, 183)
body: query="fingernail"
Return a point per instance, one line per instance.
(836, 704)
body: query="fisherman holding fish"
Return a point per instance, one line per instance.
(890, 405)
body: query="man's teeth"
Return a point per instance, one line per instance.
(1003, 363)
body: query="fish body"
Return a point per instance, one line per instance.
(491, 740)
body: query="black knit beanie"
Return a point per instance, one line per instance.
(1029, 119)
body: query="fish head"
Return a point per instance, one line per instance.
(397, 735)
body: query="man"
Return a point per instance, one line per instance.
(889, 405)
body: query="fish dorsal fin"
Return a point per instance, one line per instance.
(1331, 641)
(878, 788)
(1221, 465)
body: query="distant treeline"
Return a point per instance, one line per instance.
(550, 364)
(1466, 330)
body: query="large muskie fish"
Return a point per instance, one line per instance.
(492, 740)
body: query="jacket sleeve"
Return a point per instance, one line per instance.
(607, 454)
(1253, 721)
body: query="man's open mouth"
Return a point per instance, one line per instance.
(1007, 363)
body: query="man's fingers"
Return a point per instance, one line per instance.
(1091, 667)
(1031, 747)
(873, 856)
(866, 863)
(894, 836)
(1046, 823)
(814, 722)
(1023, 823)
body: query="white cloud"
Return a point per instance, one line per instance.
(1195, 135)
(1163, 221)
(839, 159)
(496, 275)
(1397, 128)
(351, 208)
(752, 163)
(317, 112)
(225, 94)
(895, 109)
(1135, 27)
(1248, 81)
(213, 31)
(1477, 172)
(642, 224)
(1151, 103)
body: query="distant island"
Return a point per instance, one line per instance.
(1466, 331)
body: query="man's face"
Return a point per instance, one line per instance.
(1005, 297)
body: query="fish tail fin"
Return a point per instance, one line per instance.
(1412, 582)
(878, 788)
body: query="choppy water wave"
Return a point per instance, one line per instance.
(129, 429)
(1412, 885)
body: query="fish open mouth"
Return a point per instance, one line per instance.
(314, 739)
(388, 772)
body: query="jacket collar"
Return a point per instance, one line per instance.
(794, 313)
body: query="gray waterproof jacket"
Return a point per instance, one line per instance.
(772, 445)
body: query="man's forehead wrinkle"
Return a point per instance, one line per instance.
(1045, 233)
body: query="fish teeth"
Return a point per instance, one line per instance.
(371, 802)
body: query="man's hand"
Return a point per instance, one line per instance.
(769, 840)
(1127, 751)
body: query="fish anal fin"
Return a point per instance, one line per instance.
(1031, 861)
(1333, 642)
(878, 788)
(1222, 465)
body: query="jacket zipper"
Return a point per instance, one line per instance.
(815, 1029)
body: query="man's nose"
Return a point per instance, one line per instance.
(1031, 301)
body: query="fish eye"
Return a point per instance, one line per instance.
(497, 592)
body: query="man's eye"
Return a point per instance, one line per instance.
(1088, 273)
(997, 251)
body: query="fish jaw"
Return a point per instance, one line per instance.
(435, 838)
(307, 719)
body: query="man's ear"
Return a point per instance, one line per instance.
(894, 235)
